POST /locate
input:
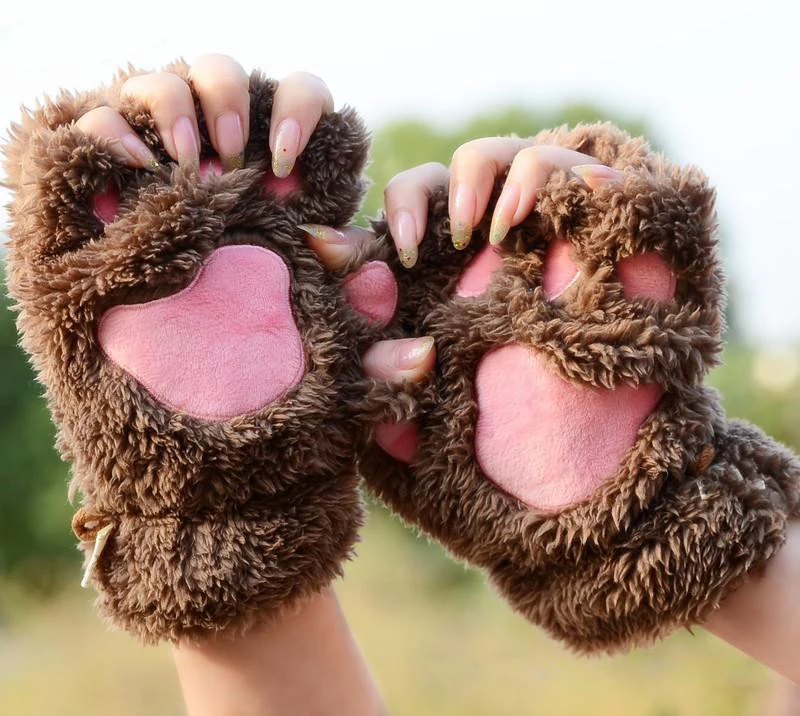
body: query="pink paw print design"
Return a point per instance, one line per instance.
(566, 443)
(201, 363)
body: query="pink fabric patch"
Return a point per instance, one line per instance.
(560, 271)
(225, 345)
(282, 187)
(210, 167)
(372, 291)
(105, 205)
(647, 276)
(547, 442)
(399, 440)
(477, 276)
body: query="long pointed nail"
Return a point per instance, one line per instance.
(230, 140)
(413, 351)
(499, 230)
(332, 247)
(185, 140)
(287, 147)
(405, 238)
(139, 152)
(462, 212)
(596, 175)
(504, 212)
(324, 233)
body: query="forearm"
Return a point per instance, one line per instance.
(762, 618)
(307, 662)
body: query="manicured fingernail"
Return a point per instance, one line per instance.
(230, 140)
(287, 146)
(499, 230)
(139, 152)
(405, 238)
(324, 233)
(596, 175)
(504, 211)
(185, 140)
(461, 213)
(413, 351)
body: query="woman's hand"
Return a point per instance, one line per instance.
(762, 618)
(271, 668)
(471, 176)
(301, 99)
(222, 86)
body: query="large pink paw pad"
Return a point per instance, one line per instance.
(224, 346)
(547, 442)
(372, 291)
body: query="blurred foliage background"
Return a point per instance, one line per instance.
(438, 640)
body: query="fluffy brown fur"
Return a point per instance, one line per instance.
(215, 524)
(697, 503)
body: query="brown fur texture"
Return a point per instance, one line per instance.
(697, 503)
(216, 524)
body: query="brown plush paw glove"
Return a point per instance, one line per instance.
(567, 444)
(201, 365)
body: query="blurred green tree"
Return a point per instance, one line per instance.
(36, 542)
(406, 143)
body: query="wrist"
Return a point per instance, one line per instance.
(304, 661)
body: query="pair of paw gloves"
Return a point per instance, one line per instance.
(203, 370)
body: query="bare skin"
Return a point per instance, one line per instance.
(306, 661)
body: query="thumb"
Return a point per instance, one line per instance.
(398, 360)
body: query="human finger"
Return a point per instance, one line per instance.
(300, 100)
(406, 199)
(170, 103)
(105, 122)
(473, 170)
(401, 359)
(223, 89)
(335, 247)
(529, 172)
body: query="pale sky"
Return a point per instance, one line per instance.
(718, 82)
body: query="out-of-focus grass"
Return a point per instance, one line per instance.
(447, 647)
(439, 642)
(57, 658)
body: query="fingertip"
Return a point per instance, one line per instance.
(140, 153)
(462, 214)
(300, 101)
(125, 144)
(400, 360)
(333, 248)
(404, 232)
(596, 175)
(185, 141)
(424, 357)
(286, 147)
(505, 212)
(229, 139)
